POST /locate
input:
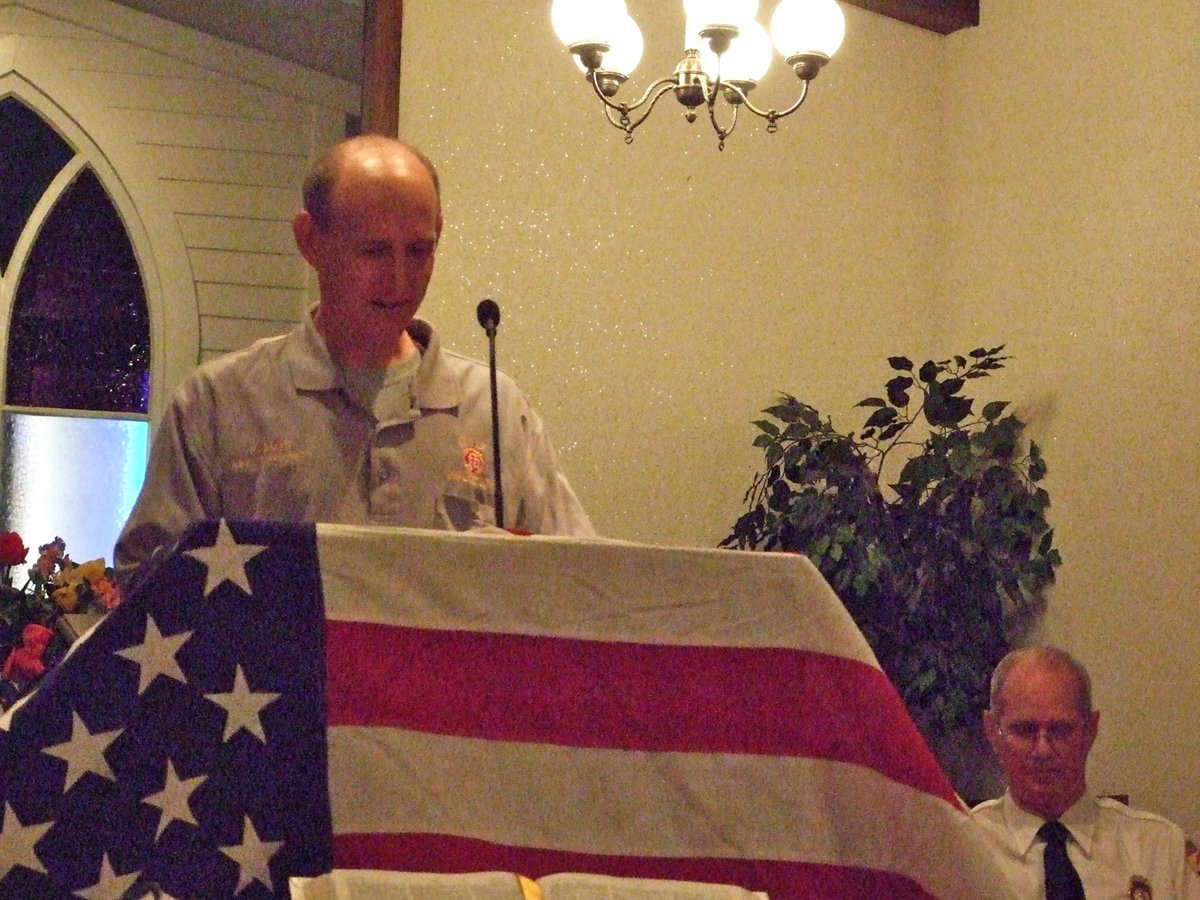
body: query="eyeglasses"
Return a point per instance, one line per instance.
(1025, 733)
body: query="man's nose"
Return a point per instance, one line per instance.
(1041, 741)
(402, 271)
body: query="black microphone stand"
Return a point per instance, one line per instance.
(488, 313)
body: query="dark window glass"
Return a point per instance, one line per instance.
(31, 154)
(80, 332)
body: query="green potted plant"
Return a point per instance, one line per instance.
(929, 523)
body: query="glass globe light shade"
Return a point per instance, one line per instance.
(808, 26)
(625, 39)
(720, 12)
(747, 59)
(576, 21)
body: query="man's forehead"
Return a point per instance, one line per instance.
(1034, 689)
(363, 205)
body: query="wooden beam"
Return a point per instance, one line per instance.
(383, 23)
(942, 16)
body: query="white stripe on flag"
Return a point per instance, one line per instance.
(669, 805)
(584, 588)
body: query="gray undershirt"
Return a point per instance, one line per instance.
(385, 393)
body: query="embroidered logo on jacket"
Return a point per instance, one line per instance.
(473, 460)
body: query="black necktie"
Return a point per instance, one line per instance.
(1062, 881)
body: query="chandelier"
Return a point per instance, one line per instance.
(726, 54)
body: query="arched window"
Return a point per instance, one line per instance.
(76, 349)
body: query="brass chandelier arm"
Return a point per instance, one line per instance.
(622, 110)
(771, 115)
(722, 133)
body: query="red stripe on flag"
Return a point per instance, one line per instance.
(651, 697)
(781, 880)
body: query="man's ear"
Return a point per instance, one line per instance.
(306, 232)
(1093, 727)
(991, 730)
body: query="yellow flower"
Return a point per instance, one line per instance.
(66, 597)
(92, 570)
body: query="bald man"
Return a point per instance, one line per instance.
(1041, 725)
(357, 415)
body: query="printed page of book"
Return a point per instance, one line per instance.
(370, 884)
(578, 886)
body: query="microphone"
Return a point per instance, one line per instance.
(488, 313)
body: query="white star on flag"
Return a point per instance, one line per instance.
(17, 841)
(174, 799)
(84, 752)
(226, 560)
(155, 655)
(243, 707)
(253, 857)
(111, 886)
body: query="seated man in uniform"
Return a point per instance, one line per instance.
(1052, 837)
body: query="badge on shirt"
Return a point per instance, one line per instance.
(473, 459)
(1139, 889)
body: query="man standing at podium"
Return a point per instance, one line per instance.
(357, 415)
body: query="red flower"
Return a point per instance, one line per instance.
(12, 549)
(51, 555)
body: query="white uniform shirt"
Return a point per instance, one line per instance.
(1112, 847)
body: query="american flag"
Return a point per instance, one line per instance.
(275, 700)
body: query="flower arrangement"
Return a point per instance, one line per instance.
(34, 629)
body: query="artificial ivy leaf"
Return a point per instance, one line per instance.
(897, 390)
(992, 411)
(951, 386)
(900, 363)
(962, 461)
(946, 412)
(925, 680)
(1037, 466)
(880, 417)
(1046, 543)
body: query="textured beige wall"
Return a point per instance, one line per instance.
(1073, 233)
(656, 296)
(1032, 181)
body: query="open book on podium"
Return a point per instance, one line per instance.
(373, 884)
